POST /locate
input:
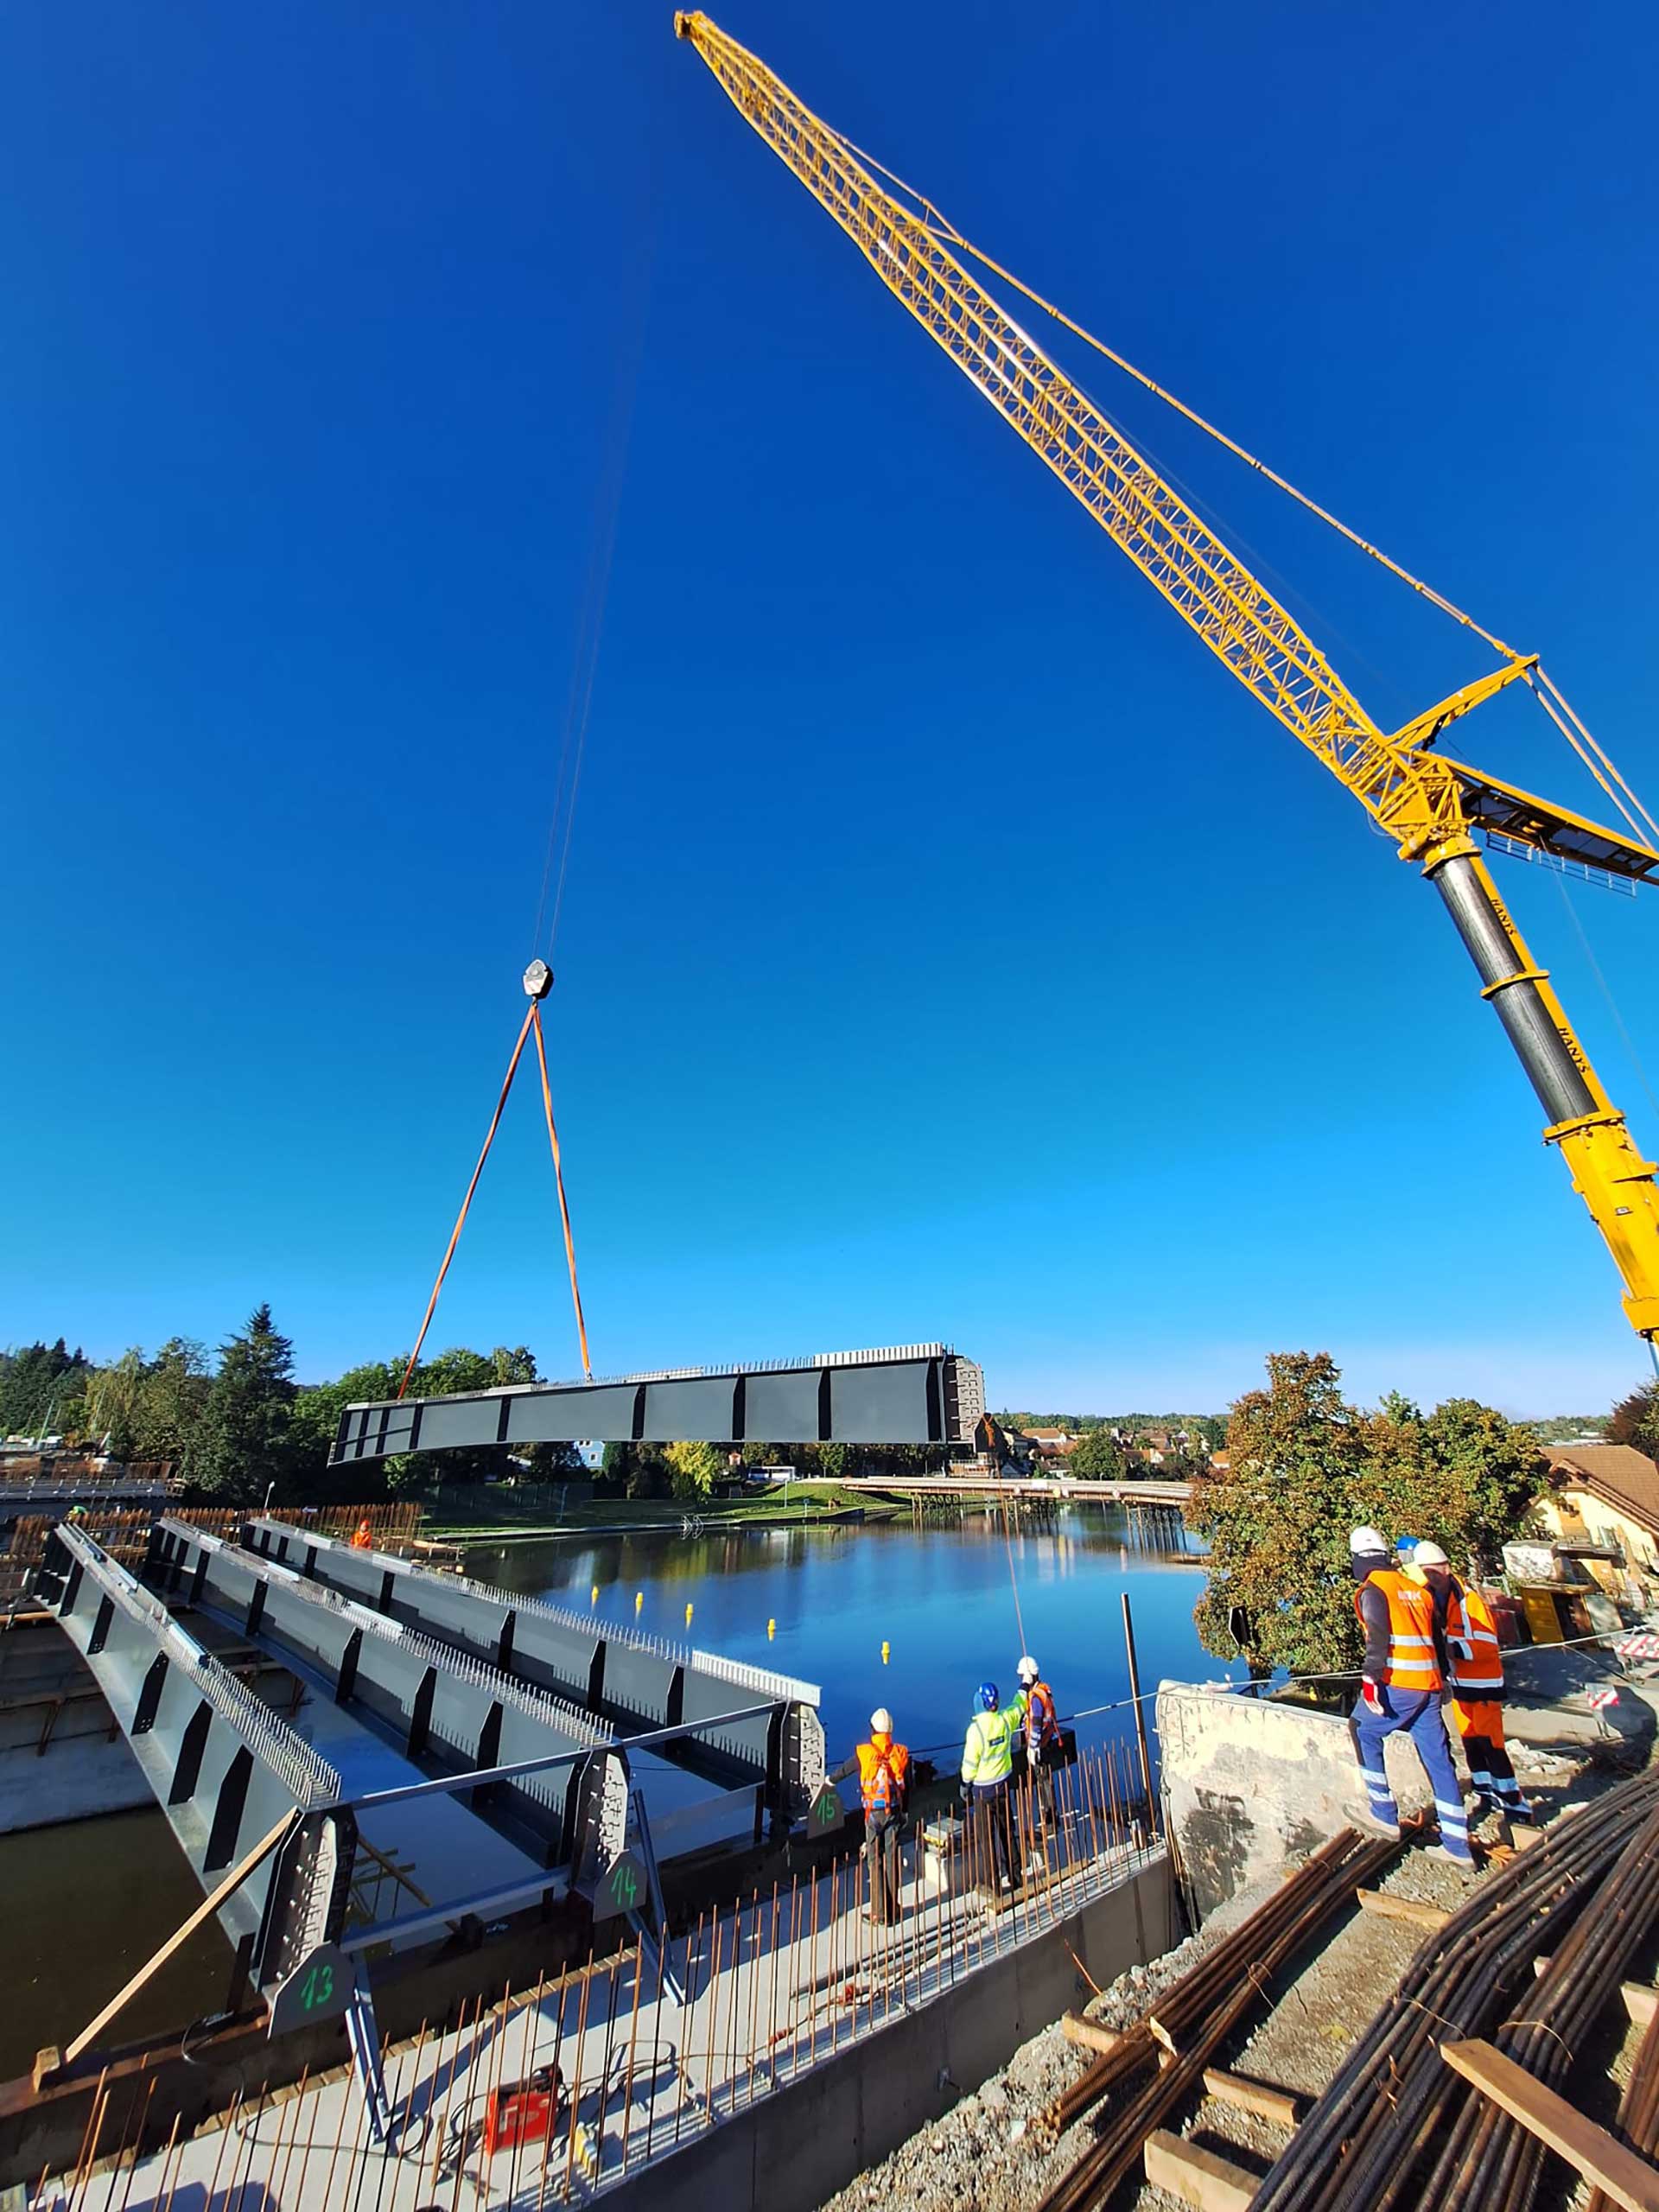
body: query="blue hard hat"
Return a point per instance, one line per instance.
(988, 1696)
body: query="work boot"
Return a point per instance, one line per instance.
(1465, 1859)
(1374, 1825)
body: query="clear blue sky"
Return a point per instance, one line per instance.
(949, 947)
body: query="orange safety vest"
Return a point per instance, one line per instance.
(363, 1540)
(882, 1766)
(1470, 1616)
(1412, 1664)
(1042, 1724)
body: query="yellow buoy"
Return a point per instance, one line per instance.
(594, 1596)
(886, 1648)
(772, 1630)
(638, 1600)
(688, 1616)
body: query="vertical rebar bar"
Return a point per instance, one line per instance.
(633, 2041)
(442, 2128)
(714, 2010)
(575, 2078)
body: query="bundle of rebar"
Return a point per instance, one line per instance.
(1638, 2108)
(1395, 2103)
(1491, 2160)
(1189, 2023)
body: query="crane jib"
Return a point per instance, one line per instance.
(1427, 804)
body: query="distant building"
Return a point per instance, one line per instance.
(1606, 1494)
(1050, 1443)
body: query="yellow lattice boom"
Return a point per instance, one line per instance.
(1425, 802)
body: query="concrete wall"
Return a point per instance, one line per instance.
(792, 2150)
(1250, 1785)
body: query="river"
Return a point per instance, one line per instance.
(941, 1598)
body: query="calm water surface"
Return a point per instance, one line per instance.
(941, 1597)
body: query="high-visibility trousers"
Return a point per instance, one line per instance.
(1480, 1724)
(1417, 1712)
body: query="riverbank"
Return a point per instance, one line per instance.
(809, 1504)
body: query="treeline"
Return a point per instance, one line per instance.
(1304, 1467)
(691, 1470)
(236, 1422)
(1208, 1428)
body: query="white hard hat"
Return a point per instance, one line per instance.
(1368, 1540)
(1028, 1669)
(1429, 1555)
(881, 1721)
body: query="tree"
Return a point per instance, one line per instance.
(172, 1401)
(1463, 1475)
(513, 1365)
(37, 1381)
(1304, 1467)
(245, 1426)
(113, 1403)
(1096, 1459)
(1635, 1419)
(1277, 1520)
(694, 1468)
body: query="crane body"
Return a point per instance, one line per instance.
(1429, 805)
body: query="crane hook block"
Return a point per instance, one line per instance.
(538, 980)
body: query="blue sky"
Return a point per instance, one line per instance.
(948, 947)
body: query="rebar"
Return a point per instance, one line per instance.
(1359, 2149)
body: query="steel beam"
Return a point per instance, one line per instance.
(630, 1681)
(910, 1394)
(445, 1711)
(224, 1768)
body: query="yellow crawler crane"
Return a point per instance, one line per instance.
(1427, 803)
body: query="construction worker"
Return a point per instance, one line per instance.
(883, 1770)
(987, 1768)
(1474, 1681)
(364, 1539)
(1400, 1689)
(1042, 1731)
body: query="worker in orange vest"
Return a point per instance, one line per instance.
(1400, 1689)
(1042, 1731)
(364, 1540)
(883, 1770)
(1474, 1681)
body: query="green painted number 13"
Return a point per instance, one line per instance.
(317, 1987)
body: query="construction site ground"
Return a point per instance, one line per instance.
(983, 2152)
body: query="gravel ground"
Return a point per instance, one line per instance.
(981, 2154)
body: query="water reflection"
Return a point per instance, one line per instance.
(948, 1598)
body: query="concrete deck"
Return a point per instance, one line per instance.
(793, 1995)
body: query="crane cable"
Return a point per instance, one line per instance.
(460, 1218)
(558, 1178)
(1549, 694)
(533, 1020)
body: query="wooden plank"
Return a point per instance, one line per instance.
(1089, 2033)
(1198, 2178)
(1249, 2095)
(1599, 2157)
(180, 1935)
(1386, 1906)
(1641, 2001)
